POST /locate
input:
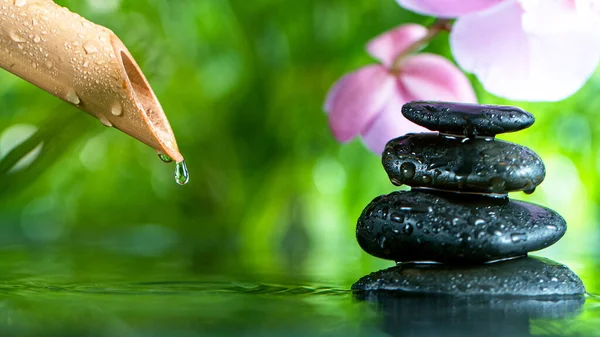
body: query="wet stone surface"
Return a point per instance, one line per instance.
(454, 228)
(530, 277)
(466, 119)
(461, 164)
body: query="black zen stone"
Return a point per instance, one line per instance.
(462, 164)
(466, 119)
(454, 228)
(531, 277)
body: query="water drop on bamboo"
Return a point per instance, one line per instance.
(72, 97)
(105, 121)
(116, 109)
(90, 48)
(165, 158)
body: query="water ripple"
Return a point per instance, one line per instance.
(178, 287)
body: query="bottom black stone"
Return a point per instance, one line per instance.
(527, 276)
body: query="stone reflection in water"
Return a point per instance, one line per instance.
(452, 218)
(464, 316)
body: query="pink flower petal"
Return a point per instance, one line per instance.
(433, 77)
(356, 99)
(423, 77)
(515, 60)
(548, 16)
(588, 7)
(447, 8)
(387, 46)
(389, 124)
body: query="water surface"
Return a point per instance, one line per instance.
(94, 292)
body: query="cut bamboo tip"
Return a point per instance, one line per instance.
(85, 65)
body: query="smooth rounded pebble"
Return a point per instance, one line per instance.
(527, 276)
(454, 228)
(469, 120)
(462, 164)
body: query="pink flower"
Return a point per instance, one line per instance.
(534, 50)
(368, 101)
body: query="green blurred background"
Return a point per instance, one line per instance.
(242, 83)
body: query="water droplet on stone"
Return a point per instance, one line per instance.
(518, 237)
(493, 230)
(479, 222)
(501, 167)
(529, 188)
(49, 64)
(497, 184)
(72, 97)
(456, 221)
(20, 3)
(165, 158)
(382, 241)
(182, 176)
(384, 212)
(552, 227)
(397, 217)
(408, 229)
(407, 170)
(426, 179)
(464, 237)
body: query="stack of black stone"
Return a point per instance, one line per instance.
(458, 214)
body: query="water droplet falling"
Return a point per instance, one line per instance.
(182, 176)
(165, 158)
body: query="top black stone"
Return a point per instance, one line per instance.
(467, 119)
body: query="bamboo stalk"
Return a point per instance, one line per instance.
(85, 65)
